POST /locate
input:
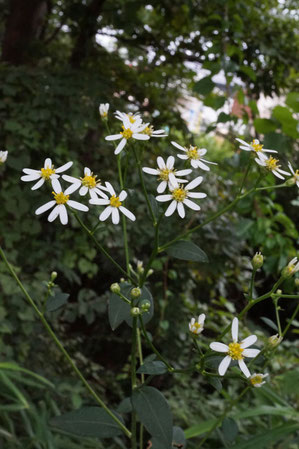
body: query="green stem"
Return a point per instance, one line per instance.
(275, 301)
(123, 218)
(252, 284)
(279, 186)
(154, 251)
(290, 321)
(60, 346)
(245, 176)
(100, 247)
(143, 187)
(133, 379)
(152, 346)
(139, 346)
(124, 298)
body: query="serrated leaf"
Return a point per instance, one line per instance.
(153, 368)
(178, 438)
(58, 300)
(88, 422)
(269, 322)
(154, 413)
(186, 250)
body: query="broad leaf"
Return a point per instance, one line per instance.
(88, 422)
(264, 125)
(269, 323)
(186, 250)
(200, 428)
(154, 413)
(58, 300)
(204, 86)
(229, 429)
(153, 368)
(178, 438)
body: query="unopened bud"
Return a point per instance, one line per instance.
(274, 341)
(145, 305)
(53, 276)
(291, 181)
(135, 292)
(278, 291)
(135, 311)
(140, 268)
(150, 272)
(115, 288)
(291, 268)
(257, 261)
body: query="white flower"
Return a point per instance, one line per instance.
(293, 266)
(256, 147)
(3, 156)
(60, 200)
(194, 155)
(48, 172)
(89, 183)
(114, 204)
(149, 130)
(180, 195)
(235, 350)
(256, 379)
(167, 174)
(196, 327)
(271, 164)
(103, 109)
(294, 173)
(132, 117)
(130, 130)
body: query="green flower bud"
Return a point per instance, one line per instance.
(135, 311)
(257, 261)
(135, 292)
(291, 181)
(145, 305)
(115, 288)
(274, 341)
(53, 276)
(150, 272)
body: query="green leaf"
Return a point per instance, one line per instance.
(292, 101)
(153, 368)
(200, 428)
(13, 367)
(88, 422)
(229, 429)
(269, 410)
(178, 438)
(248, 71)
(214, 101)
(186, 250)
(154, 413)
(215, 382)
(223, 117)
(267, 437)
(58, 300)
(125, 406)
(269, 323)
(204, 86)
(285, 116)
(264, 125)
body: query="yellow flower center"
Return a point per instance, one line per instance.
(114, 201)
(148, 130)
(179, 194)
(235, 351)
(127, 133)
(47, 172)
(258, 379)
(272, 163)
(197, 326)
(296, 175)
(104, 114)
(89, 181)
(132, 119)
(192, 153)
(61, 198)
(256, 146)
(164, 174)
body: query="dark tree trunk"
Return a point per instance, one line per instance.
(23, 26)
(88, 28)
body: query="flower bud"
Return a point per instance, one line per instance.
(115, 288)
(150, 272)
(103, 110)
(291, 181)
(3, 156)
(145, 305)
(53, 276)
(291, 268)
(257, 261)
(135, 311)
(274, 341)
(140, 268)
(135, 292)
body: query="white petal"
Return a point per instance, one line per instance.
(196, 195)
(261, 163)
(266, 150)
(191, 204)
(178, 146)
(114, 137)
(163, 198)
(56, 184)
(248, 341)
(194, 163)
(183, 172)
(140, 136)
(127, 213)
(48, 163)
(275, 172)
(242, 141)
(172, 179)
(63, 214)
(251, 353)
(123, 195)
(201, 318)
(150, 171)
(115, 215)
(203, 166)
(110, 188)
(219, 347)
(106, 213)
(78, 206)
(64, 167)
(83, 190)
(71, 179)
(71, 189)
(283, 172)
(31, 171)
(235, 327)
(120, 146)
(289, 165)
(161, 163)
(171, 208)
(94, 193)
(45, 207)
(224, 365)
(194, 183)
(54, 214)
(162, 186)
(182, 156)
(31, 177)
(99, 201)
(244, 368)
(87, 171)
(126, 122)
(170, 162)
(181, 210)
(38, 184)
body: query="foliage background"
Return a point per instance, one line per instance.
(54, 74)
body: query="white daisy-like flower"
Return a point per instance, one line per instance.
(132, 117)
(114, 205)
(89, 183)
(47, 173)
(166, 172)
(180, 195)
(272, 165)
(3, 156)
(194, 155)
(294, 173)
(235, 350)
(196, 327)
(60, 201)
(103, 109)
(130, 130)
(150, 131)
(293, 266)
(256, 379)
(256, 147)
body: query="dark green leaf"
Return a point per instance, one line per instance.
(229, 429)
(215, 382)
(58, 300)
(178, 438)
(186, 250)
(125, 406)
(153, 368)
(200, 428)
(88, 422)
(248, 71)
(269, 323)
(204, 86)
(223, 117)
(154, 412)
